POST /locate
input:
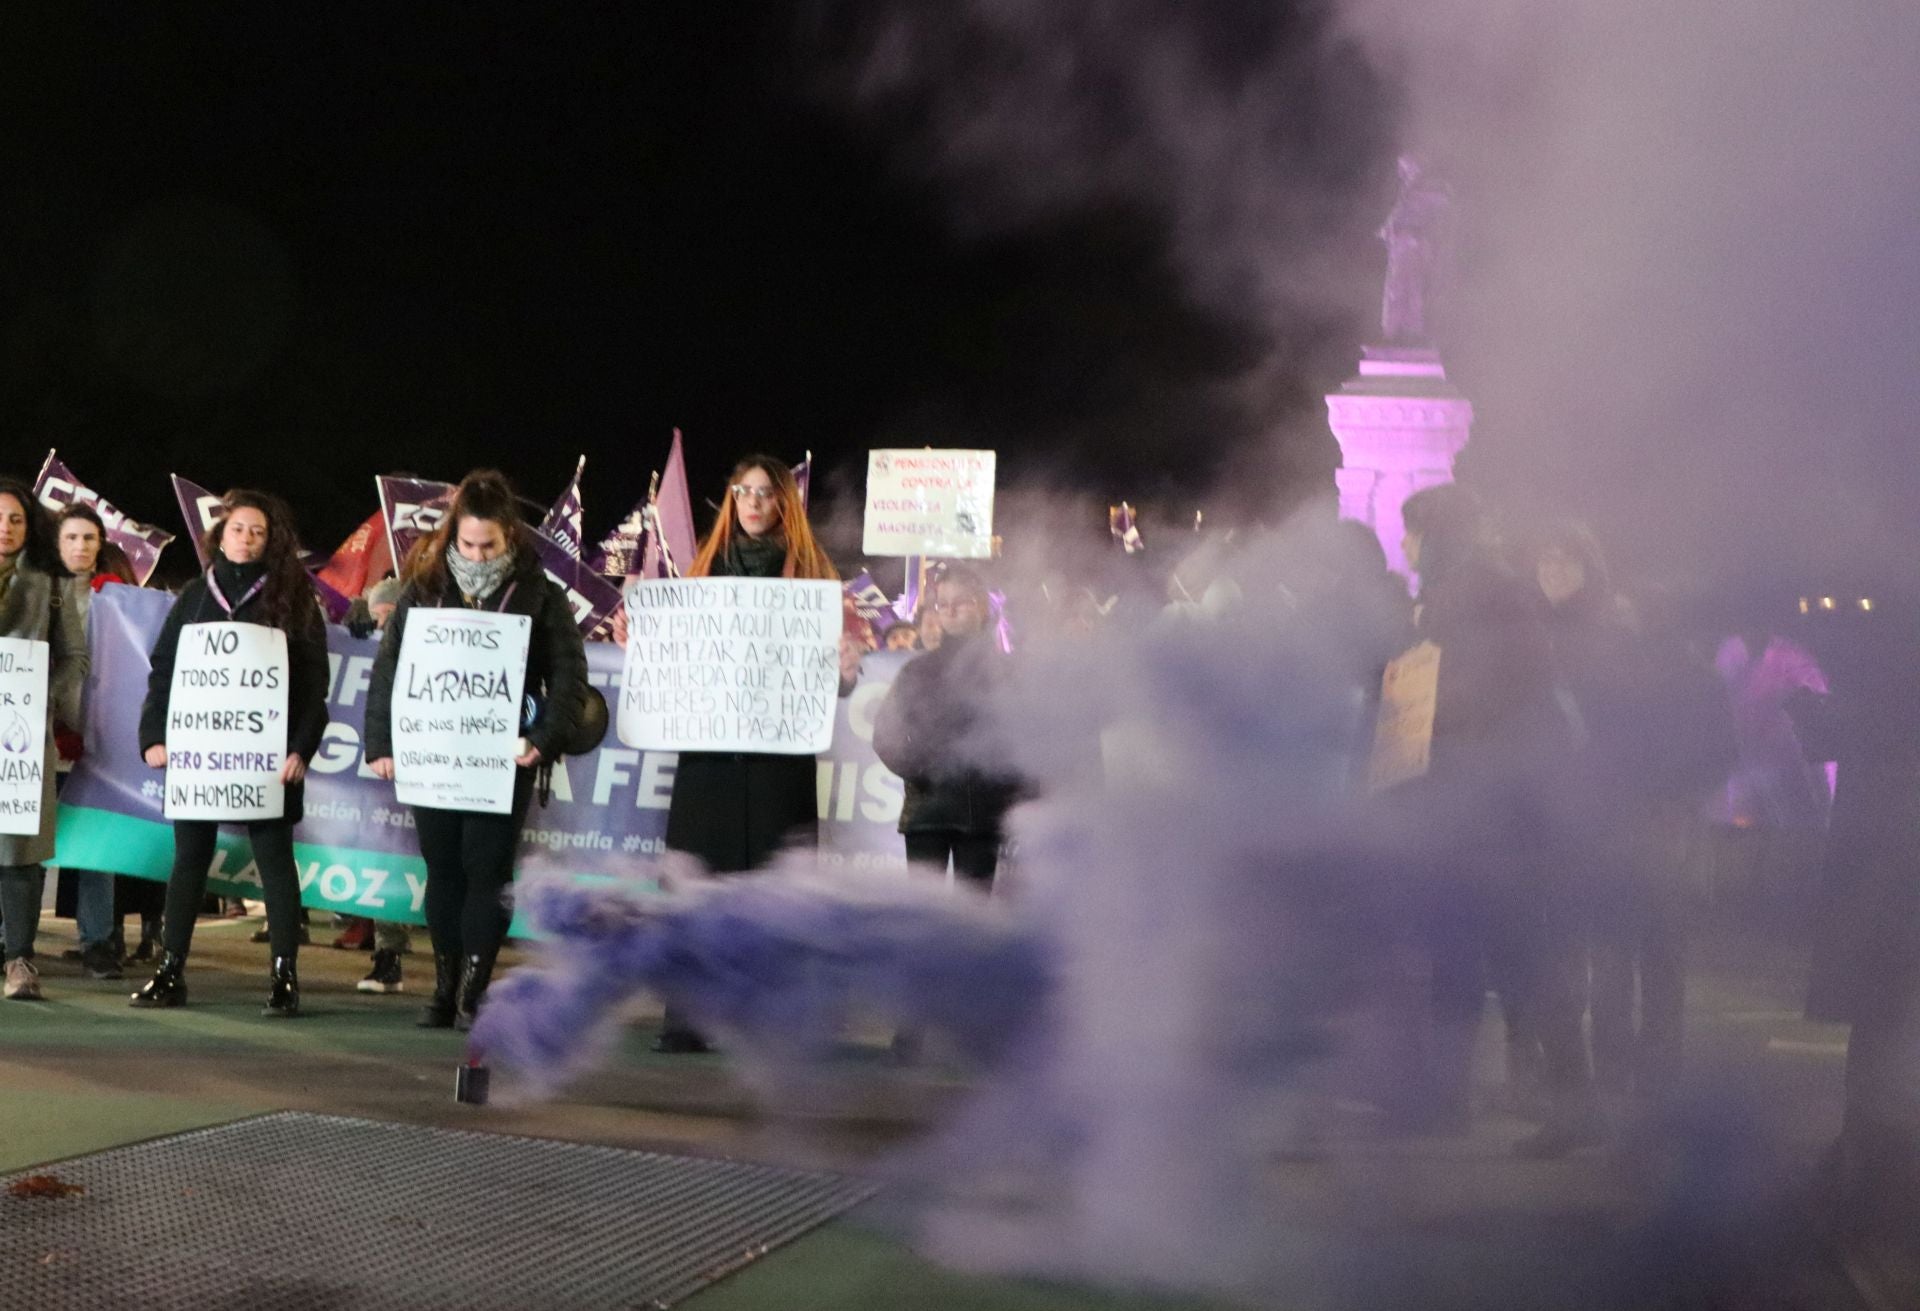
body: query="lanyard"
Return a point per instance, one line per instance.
(505, 597)
(213, 585)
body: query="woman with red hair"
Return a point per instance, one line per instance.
(734, 810)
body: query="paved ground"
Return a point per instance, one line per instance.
(1451, 1219)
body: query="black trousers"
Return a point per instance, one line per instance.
(469, 859)
(975, 855)
(193, 845)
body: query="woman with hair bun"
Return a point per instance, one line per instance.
(734, 810)
(481, 557)
(255, 578)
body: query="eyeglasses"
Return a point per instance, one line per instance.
(760, 495)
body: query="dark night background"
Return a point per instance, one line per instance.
(296, 246)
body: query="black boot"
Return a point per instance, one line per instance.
(167, 987)
(473, 990)
(438, 1013)
(149, 940)
(284, 1001)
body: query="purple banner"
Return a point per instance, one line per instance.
(412, 508)
(356, 847)
(565, 521)
(57, 487)
(198, 509)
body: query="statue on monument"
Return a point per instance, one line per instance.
(1418, 234)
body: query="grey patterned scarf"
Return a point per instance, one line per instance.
(478, 579)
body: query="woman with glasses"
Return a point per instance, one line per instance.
(734, 810)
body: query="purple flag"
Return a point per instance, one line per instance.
(908, 606)
(57, 488)
(1121, 523)
(412, 508)
(870, 602)
(591, 598)
(620, 551)
(674, 548)
(564, 522)
(199, 507)
(803, 474)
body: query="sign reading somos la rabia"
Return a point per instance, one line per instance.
(23, 733)
(456, 703)
(227, 723)
(731, 664)
(931, 503)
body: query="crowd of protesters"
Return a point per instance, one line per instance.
(1577, 747)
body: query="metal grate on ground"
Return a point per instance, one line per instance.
(318, 1213)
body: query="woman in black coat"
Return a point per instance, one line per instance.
(734, 810)
(482, 557)
(255, 578)
(1493, 903)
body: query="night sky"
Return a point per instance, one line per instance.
(299, 245)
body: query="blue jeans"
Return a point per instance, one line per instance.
(92, 906)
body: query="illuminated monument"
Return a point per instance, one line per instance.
(1400, 422)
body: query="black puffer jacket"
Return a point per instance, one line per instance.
(307, 672)
(930, 731)
(556, 655)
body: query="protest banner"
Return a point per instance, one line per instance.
(57, 487)
(731, 664)
(199, 508)
(1403, 731)
(565, 519)
(23, 733)
(356, 848)
(227, 723)
(927, 502)
(411, 508)
(456, 708)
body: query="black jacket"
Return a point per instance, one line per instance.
(307, 672)
(929, 732)
(556, 656)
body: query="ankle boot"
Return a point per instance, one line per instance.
(284, 1001)
(167, 987)
(149, 939)
(473, 990)
(438, 1013)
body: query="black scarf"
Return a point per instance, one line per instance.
(756, 557)
(233, 580)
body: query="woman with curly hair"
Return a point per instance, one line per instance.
(255, 578)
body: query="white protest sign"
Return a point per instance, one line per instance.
(731, 664)
(456, 708)
(1403, 730)
(227, 723)
(932, 503)
(23, 733)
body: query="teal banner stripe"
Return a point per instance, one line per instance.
(377, 884)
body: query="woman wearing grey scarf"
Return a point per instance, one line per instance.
(480, 557)
(31, 609)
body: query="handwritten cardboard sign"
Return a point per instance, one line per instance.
(23, 733)
(1403, 733)
(227, 723)
(456, 708)
(731, 664)
(931, 503)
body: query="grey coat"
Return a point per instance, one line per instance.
(41, 608)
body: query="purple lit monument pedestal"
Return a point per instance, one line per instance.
(1399, 424)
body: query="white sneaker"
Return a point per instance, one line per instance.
(23, 980)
